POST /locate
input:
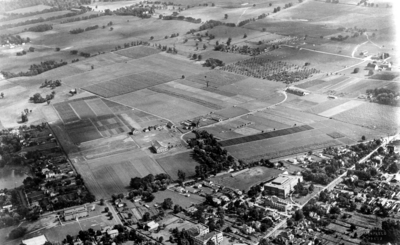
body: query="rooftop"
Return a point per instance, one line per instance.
(39, 240)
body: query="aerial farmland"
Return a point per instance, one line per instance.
(133, 89)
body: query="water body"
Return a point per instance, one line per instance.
(11, 178)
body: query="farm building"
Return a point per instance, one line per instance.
(171, 125)
(38, 240)
(297, 91)
(158, 147)
(282, 186)
(75, 213)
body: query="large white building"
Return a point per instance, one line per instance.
(282, 186)
(39, 240)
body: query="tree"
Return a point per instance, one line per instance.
(311, 187)
(356, 70)
(17, 233)
(102, 201)
(2, 95)
(226, 16)
(370, 73)
(229, 41)
(24, 117)
(298, 215)
(106, 209)
(177, 208)
(290, 222)
(167, 204)
(363, 138)
(181, 174)
(393, 168)
(353, 227)
(161, 239)
(199, 57)
(245, 35)
(146, 217)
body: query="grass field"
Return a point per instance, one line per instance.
(112, 174)
(253, 88)
(32, 9)
(181, 161)
(338, 14)
(374, 116)
(135, 52)
(127, 84)
(277, 133)
(163, 105)
(245, 180)
(282, 146)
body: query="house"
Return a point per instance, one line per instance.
(247, 229)
(8, 207)
(170, 125)
(297, 91)
(158, 147)
(152, 225)
(112, 233)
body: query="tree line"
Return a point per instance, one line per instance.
(41, 28)
(35, 69)
(11, 39)
(80, 30)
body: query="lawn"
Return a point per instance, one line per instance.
(181, 161)
(245, 180)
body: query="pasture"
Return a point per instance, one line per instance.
(246, 179)
(181, 161)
